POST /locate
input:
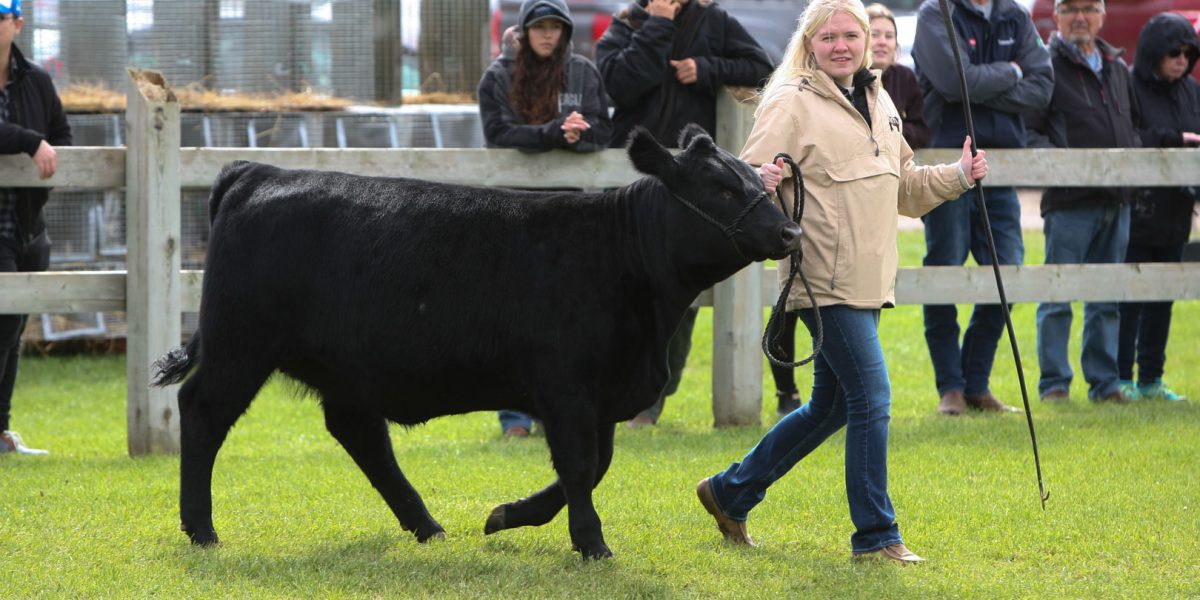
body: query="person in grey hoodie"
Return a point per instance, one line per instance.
(1167, 51)
(538, 95)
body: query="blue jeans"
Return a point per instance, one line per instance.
(953, 230)
(512, 418)
(1094, 234)
(1145, 326)
(851, 389)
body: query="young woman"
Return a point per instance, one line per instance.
(825, 108)
(539, 96)
(899, 81)
(1167, 51)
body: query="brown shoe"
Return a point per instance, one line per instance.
(987, 402)
(1117, 397)
(734, 531)
(1056, 397)
(952, 403)
(896, 552)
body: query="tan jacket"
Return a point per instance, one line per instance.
(856, 180)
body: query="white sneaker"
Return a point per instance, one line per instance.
(10, 441)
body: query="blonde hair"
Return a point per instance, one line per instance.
(798, 58)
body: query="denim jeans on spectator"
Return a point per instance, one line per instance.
(678, 348)
(1093, 235)
(512, 418)
(851, 389)
(1145, 326)
(952, 231)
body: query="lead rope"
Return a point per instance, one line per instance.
(773, 334)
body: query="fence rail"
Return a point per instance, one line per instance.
(153, 170)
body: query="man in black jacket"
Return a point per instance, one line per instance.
(1093, 106)
(663, 63)
(32, 122)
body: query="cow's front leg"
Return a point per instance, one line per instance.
(543, 506)
(571, 431)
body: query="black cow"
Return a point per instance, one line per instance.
(402, 300)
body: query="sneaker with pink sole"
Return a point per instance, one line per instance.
(10, 441)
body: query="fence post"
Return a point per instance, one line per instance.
(737, 301)
(152, 258)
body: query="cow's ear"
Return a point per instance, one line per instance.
(648, 156)
(693, 133)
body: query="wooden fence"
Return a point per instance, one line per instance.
(153, 291)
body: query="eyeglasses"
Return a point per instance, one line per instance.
(1089, 11)
(1176, 52)
(7, 16)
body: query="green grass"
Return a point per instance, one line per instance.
(298, 520)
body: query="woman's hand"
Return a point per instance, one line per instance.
(771, 174)
(574, 126)
(973, 167)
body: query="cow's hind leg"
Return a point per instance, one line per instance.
(365, 438)
(210, 402)
(543, 506)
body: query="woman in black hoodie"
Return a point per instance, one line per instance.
(1167, 50)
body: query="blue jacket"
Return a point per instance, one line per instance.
(998, 95)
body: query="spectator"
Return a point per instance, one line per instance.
(32, 122)
(1092, 107)
(831, 114)
(899, 81)
(1008, 71)
(664, 62)
(1167, 50)
(539, 96)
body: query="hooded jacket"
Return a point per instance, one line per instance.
(857, 176)
(632, 55)
(1162, 216)
(998, 96)
(582, 92)
(1086, 111)
(34, 114)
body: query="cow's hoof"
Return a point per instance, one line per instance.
(434, 533)
(598, 552)
(495, 521)
(205, 538)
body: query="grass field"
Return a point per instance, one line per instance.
(298, 520)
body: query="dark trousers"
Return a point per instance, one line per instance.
(1145, 325)
(14, 258)
(677, 353)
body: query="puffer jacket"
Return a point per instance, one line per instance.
(1162, 216)
(633, 53)
(35, 114)
(857, 178)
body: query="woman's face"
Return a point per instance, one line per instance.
(838, 47)
(544, 36)
(883, 42)
(1173, 67)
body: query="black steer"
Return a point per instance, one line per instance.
(403, 300)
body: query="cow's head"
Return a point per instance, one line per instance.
(723, 193)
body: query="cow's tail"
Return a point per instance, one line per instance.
(176, 364)
(225, 180)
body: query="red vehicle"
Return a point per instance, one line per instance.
(1124, 20)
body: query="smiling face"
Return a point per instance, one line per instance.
(838, 47)
(544, 36)
(883, 42)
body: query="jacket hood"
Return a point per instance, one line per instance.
(1162, 34)
(535, 10)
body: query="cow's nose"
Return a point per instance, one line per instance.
(789, 234)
